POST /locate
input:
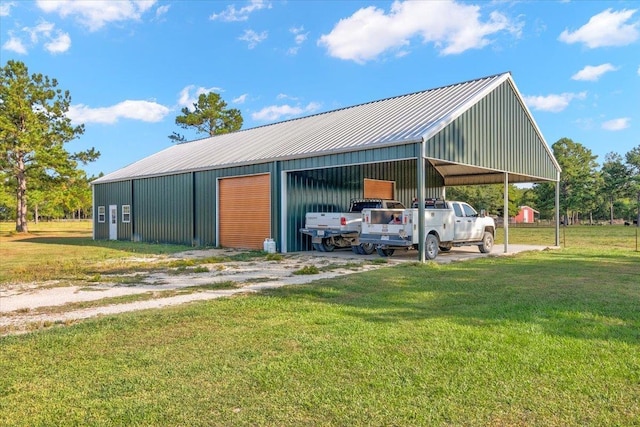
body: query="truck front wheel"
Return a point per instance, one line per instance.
(487, 243)
(431, 247)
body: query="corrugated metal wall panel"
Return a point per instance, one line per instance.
(497, 134)
(393, 153)
(331, 190)
(114, 193)
(163, 209)
(205, 208)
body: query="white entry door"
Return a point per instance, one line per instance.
(113, 222)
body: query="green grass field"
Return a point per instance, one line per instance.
(547, 338)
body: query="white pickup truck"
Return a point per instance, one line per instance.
(330, 230)
(447, 224)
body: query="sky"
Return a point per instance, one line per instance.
(132, 66)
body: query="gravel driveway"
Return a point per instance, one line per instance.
(29, 306)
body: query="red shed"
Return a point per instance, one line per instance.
(526, 215)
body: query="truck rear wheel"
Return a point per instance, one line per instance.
(366, 248)
(385, 252)
(326, 246)
(431, 247)
(487, 243)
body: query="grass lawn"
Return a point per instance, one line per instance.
(545, 338)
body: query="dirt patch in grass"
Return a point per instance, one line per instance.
(158, 281)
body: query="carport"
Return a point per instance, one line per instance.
(472, 133)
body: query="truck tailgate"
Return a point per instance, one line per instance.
(387, 226)
(338, 221)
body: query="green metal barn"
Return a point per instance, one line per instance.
(237, 189)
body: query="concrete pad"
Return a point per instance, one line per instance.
(456, 254)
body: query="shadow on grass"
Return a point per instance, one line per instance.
(557, 293)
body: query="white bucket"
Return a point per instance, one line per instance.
(270, 246)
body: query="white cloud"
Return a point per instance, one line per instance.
(241, 99)
(605, 29)
(278, 112)
(97, 13)
(553, 103)
(44, 28)
(593, 73)
(189, 95)
(253, 38)
(5, 8)
(299, 37)
(61, 43)
(145, 111)
(452, 27)
(231, 14)
(617, 124)
(162, 10)
(285, 96)
(55, 41)
(639, 70)
(14, 44)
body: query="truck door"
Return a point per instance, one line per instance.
(475, 228)
(461, 226)
(466, 227)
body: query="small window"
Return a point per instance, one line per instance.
(101, 214)
(458, 210)
(126, 213)
(469, 211)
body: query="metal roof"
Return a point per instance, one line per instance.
(398, 120)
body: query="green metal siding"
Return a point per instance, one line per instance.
(113, 193)
(393, 153)
(331, 190)
(163, 209)
(205, 208)
(496, 133)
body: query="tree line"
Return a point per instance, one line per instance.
(589, 192)
(40, 178)
(34, 128)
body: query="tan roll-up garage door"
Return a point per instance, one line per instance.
(378, 189)
(245, 211)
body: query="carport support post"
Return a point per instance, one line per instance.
(421, 193)
(558, 210)
(505, 214)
